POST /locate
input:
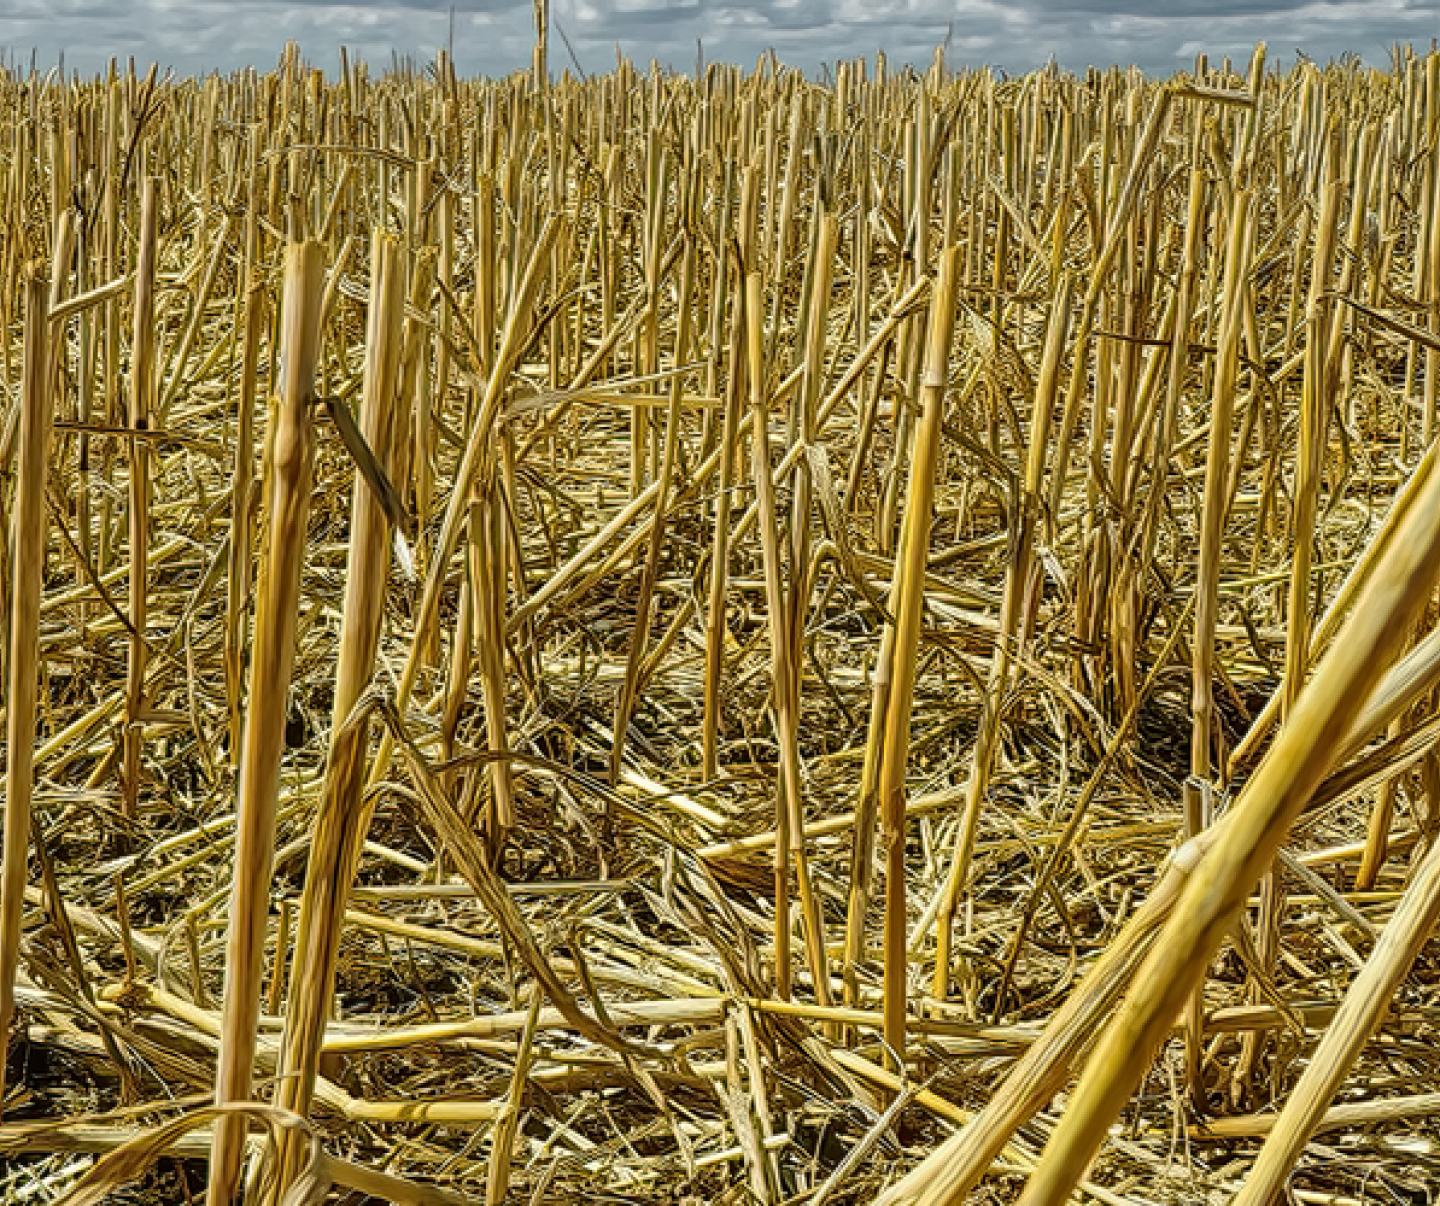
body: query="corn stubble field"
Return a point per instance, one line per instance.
(742, 638)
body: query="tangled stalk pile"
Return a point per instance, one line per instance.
(737, 638)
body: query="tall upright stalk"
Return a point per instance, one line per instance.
(784, 649)
(142, 405)
(29, 540)
(730, 430)
(907, 601)
(1215, 499)
(340, 823)
(272, 659)
(242, 496)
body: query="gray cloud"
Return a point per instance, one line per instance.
(493, 36)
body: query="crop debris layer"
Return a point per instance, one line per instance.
(736, 638)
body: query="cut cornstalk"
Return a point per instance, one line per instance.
(273, 657)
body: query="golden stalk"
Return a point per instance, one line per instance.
(1244, 843)
(273, 656)
(340, 824)
(29, 540)
(908, 602)
(142, 405)
(789, 826)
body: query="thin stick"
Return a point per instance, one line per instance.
(909, 600)
(242, 526)
(29, 539)
(142, 405)
(789, 827)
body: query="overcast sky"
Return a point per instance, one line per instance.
(493, 36)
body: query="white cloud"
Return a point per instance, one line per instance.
(493, 36)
